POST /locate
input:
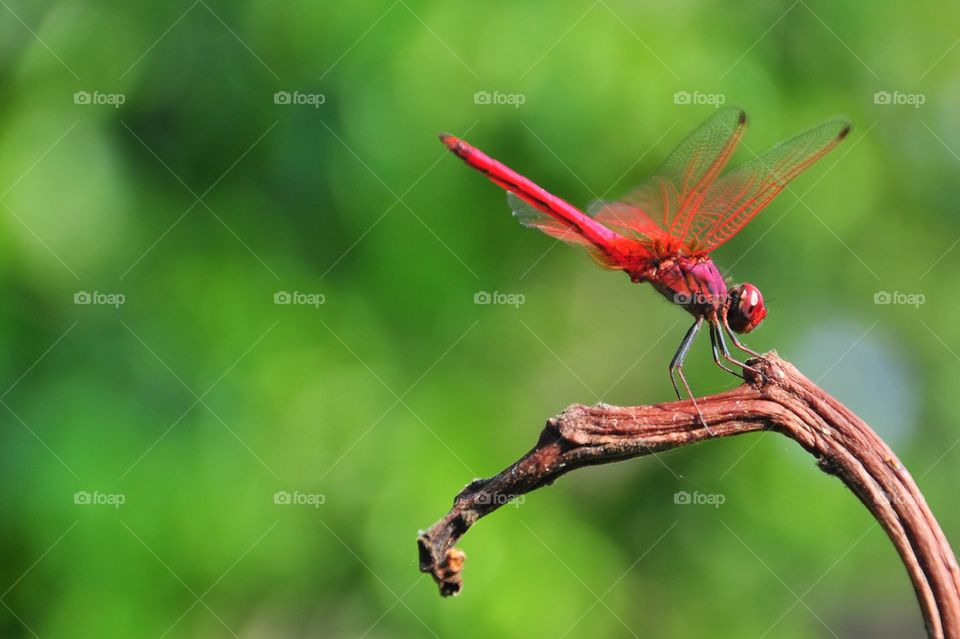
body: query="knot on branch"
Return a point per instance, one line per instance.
(446, 572)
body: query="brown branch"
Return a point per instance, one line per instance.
(782, 400)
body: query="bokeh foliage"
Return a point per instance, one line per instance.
(199, 198)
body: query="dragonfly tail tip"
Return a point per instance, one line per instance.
(447, 139)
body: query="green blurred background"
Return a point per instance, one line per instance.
(143, 154)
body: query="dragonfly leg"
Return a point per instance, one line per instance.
(676, 369)
(715, 339)
(738, 344)
(676, 364)
(726, 351)
(736, 340)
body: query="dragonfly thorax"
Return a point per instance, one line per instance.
(697, 285)
(693, 283)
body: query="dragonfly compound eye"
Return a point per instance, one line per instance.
(746, 309)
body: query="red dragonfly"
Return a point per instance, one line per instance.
(664, 231)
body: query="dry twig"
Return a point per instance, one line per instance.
(783, 401)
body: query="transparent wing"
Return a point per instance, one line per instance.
(698, 161)
(641, 217)
(662, 209)
(534, 218)
(733, 200)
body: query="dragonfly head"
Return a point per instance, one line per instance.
(745, 309)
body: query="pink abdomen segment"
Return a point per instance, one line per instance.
(598, 234)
